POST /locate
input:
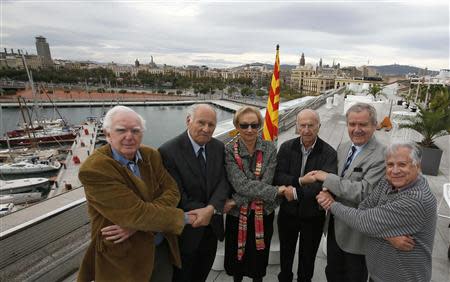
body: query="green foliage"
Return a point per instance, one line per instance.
(289, 93)
(122, 91)
(246, 91)
(440, 98)
(433, 122)
(375, 91)
(231, 90)
(260, 93)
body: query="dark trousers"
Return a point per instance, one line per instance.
(343, 266)
(162, 267)
(196, 265)
(310, 229)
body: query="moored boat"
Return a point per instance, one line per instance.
(25, 167)
(6, 208)
(20, 198)
(52, 136)
(25, 185)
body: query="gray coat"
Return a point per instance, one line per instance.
(245, 186)
(363, 174)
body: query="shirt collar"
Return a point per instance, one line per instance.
(194, 144)
(124, 161)
(309, 150)
(406, 187)
(358, 148)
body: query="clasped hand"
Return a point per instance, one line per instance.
(313, 176)
(201, 217)
(287, 192)
(325, 199)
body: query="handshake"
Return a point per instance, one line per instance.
(288, 192)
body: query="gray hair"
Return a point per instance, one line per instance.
(360, 107)
(193, 109)
(415, 153)
(107, 122)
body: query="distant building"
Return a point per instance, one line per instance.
(316, 85)
(152, 64)
(14, 60)
(43, 50)
(300, 73)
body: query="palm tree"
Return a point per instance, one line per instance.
(375, 90)
(433, 122)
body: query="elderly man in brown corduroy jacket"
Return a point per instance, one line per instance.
(132, 206)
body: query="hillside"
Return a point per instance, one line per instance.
(401, 70)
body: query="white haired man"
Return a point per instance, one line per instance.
(402, 205)
(360, 168)
(132, 203)
(196, 161)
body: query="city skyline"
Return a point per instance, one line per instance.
(232, 33)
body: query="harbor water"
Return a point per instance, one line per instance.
(162, 122)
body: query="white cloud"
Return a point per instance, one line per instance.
(228, 33)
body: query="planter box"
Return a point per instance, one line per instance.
(431, 159)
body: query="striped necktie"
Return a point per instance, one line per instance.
(349, 160)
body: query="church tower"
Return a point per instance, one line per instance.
(302, 60)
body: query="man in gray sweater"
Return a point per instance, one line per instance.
(402, 204)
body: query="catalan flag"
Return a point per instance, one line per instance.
(270, 131)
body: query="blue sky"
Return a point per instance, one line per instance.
(230, 33)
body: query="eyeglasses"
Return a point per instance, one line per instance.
(247, 125)
(122, 130)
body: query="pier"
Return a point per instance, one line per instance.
(82, 147)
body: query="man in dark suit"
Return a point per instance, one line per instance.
(196, 162)
(296, 158)
(360, 168)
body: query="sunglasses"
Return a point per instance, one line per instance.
(247, 125)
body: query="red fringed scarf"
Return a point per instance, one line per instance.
(256, 205)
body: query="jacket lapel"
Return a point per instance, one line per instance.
(138, 185)
(342, 156)
(296, 157)
(366, 151)
(211, 162)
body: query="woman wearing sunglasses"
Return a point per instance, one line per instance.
(250, 165)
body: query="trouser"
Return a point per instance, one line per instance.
(310, 229)
(197, 265)
(162, 267)
(343, 266)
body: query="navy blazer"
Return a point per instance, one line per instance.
(182, 164)
(289, 163)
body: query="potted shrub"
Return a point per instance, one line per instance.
(431, 123)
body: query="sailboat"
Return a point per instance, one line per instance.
(37, 132)
(26, 167)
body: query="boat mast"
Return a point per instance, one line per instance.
(54, 106)
(33, 90)
(27, 123)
